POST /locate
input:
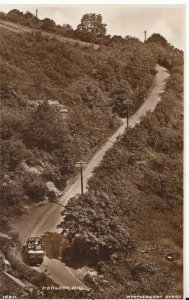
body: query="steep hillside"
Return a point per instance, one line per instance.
(132, 216)
(38, 142)
(59, 103)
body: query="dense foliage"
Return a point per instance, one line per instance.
(91, 26)
(134, 205)
(39, 144)
(139, 177)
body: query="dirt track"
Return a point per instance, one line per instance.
(17, 28)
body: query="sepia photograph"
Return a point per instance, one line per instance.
(92, 138)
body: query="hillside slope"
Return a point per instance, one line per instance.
(59, 103)
(39, 144)
(131, 218)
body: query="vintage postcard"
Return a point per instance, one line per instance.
(92, 113)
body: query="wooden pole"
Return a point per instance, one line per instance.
(145, 35)
(81, 164)
(36, 15)
(81, 179)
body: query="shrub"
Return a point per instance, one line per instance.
(166, 140)
(11, 193)
(13, 152)
(36, 189)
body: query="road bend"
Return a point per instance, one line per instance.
(45, 218)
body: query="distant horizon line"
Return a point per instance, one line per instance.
(111, 35)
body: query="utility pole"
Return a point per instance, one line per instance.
(36, 12)
(81, 165)
(128, 103)
(145, 32)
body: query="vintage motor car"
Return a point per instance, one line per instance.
(34, 251)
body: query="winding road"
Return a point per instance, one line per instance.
(45, 218)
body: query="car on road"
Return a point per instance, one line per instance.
(34, 251)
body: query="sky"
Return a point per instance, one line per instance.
(121, 19)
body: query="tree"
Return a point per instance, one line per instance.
(13, 151)
(47, 128)
(29, 19)
(89, 230)
(11, 194)
(157, 38)
(120, 94)
(29, 15)
(67, 30)
(15, 15)
(92, 23)
(48, 25)
(67, 26)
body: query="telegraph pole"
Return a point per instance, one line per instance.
(81, 165)
(36, 13)
(145, 32)
(128, 103)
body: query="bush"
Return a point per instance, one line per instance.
(93, 231)
(166, 140)
(46, 129)
(13, 152)
(135, 138)
(11, 193)
(36, 189)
